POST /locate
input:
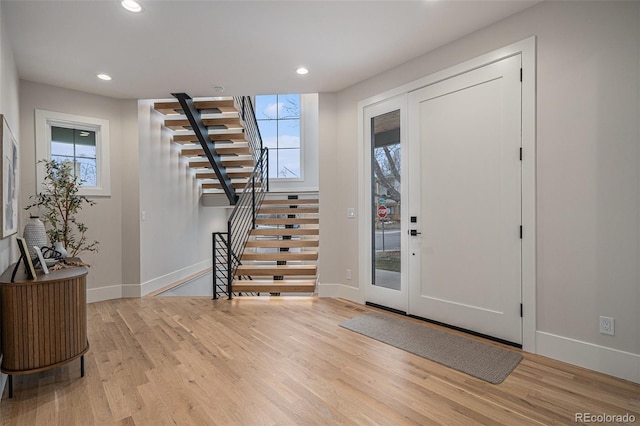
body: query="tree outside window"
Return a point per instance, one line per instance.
(279, 123)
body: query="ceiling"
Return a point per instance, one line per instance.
(248, 47)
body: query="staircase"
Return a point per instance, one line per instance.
(282, 251)
(271, 243)
(220, 137)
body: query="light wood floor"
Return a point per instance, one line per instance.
(283, 361)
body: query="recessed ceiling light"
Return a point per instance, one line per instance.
(131, 6)
(302, 71)
(105, 77)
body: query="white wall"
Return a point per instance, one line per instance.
(175, 237)
(588, 181)
(130, 197)
(9, 108)
(105, 219)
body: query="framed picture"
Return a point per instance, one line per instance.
(9, 176)
(43, 263)
(24, 252)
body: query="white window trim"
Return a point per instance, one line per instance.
(46, 119)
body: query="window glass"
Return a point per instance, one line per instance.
(78, 147)
(288, 106)
(269, 133)
(289, 163)
(289, 133)
(267, 107)
(279, 123)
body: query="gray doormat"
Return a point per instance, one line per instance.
(486, 362)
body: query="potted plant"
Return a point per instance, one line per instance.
(59, 203)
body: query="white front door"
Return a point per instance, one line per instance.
(465, 193)
(386, 216)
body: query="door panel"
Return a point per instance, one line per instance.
(466, 263)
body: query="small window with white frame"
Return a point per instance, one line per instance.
(83, 141)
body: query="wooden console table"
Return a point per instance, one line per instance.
(44, 321)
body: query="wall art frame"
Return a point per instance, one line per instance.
(10, 179)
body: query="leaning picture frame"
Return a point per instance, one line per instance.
(9, 176)
(43, 263)
(24, 253)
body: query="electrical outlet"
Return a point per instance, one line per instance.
(348, 274)
(607, 325)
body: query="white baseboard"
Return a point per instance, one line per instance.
(625, 365)
(165, 280)
(104, 293)
(138, 290)
(340, 290)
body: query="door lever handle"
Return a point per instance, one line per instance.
(414, 233)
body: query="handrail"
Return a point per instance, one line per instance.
(228, 251)
(241, 221)
(244, 105)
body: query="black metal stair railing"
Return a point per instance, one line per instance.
(244, 106)
(221, 276)
(228, 247)
(220, 252)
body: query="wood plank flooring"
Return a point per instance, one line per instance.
(254, 361)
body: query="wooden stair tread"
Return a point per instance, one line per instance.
(282, 243)
(191, 138)
(183, 123)
(204, 164)
(287, 210)
(280, 256)
(298, 202)
(275, 270)
(222, 150)
(173, 107)
(233, 174)
(287, 221)
(214, 185)
(279, 232)
(274, 286)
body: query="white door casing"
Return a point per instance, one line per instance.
(527, 50)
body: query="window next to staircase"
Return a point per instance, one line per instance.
(83, 141)
(279, 123)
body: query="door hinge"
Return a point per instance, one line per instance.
(521, 75)
(520, 231)
(521, 311)
(520, 154)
